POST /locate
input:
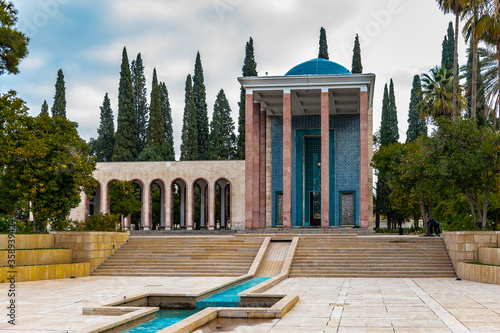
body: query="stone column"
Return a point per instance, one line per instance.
(269, 186)
(249, 151)
(146, 206)
(287, 159)
(325, 159)
(256, 167)
(168, 206)
(105, 198)
(262, 178)
(364, 163)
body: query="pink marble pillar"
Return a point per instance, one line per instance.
(256, 167)
(146, 207)
(287, 160)
(104, 204)
(262, 180)
(249, 151)
(167, 196)
(364, 163)
(325, 160)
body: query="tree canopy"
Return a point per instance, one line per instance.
(59, 107)
(249, 69)
(357, 67)
(13, 43)
(44, 161)
(126, 137)
(222, 138)
(323, 45)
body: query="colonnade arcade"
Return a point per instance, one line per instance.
(174, 195)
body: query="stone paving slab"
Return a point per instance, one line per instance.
(326, 304)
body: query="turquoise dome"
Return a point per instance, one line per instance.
(318, 66)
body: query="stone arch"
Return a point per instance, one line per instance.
(178, 189)
(156, 195)
(200, 203)
(138, 219)
(222, 209)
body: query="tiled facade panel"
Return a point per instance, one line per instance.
(346, 155)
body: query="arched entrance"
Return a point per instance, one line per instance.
(95, 202)
(178, 192)
(137, 219)
(157, 202)
(200, 203)
(222, 204)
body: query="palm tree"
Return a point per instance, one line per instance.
(472, 10)
(489, 72)
(437, 94)
(490, 23)
(455, 7)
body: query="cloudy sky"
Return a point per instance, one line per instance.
(85, 38)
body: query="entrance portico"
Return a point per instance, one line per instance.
(315, 162)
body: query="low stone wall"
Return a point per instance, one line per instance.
(489, 256)
(36, 241)
(45, 272)
(478, 273)
(463, 246)
(92, 247)
(39, 257)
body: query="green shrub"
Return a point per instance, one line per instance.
(65, 225)
(102, 222)
(5, 222)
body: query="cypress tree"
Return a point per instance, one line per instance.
(189, 145)
(125, 148)
(384, 124)
(106, 133)
(222, 138)
(200, 104)
(394, 131)
(166, 112)
(388, 134)
(249, 69)
(357, 67)
(153, 150)
(389, 124)
(323, 46)
(416, 125)
(156, 132)
(59, 107)
(45, 108)
(140, 100)
(448, 48)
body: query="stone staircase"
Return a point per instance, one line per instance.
(317, 255)
(182, 256)
(371, 256)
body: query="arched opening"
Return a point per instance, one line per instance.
(222, 204)
(157, 192)
(200, 204)
(95, 201)
(137, 219)
(178, 192)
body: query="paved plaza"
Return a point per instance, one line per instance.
(326, 304)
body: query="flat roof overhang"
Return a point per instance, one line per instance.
(306, 92)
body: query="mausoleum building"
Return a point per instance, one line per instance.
(308, 147)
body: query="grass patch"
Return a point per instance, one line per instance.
(42, 248)
(478, 263)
